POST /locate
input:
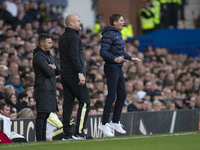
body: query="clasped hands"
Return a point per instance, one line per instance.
(53, 66)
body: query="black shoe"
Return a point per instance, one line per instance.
(81, 137)
(67, 138)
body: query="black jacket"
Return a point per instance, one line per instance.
(71, 54)
(45, 81)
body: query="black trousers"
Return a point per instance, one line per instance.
(116, 87)
(41, 121)
(173, 10)
(71, 91)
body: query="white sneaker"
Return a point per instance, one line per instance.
(118, 127)
(106, 129)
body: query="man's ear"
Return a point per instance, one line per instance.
(41, 44)
(115, 22)
(71, 23)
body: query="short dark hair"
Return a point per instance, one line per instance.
(2, 105)
(42, 38)
(113, 18)
(22, 95)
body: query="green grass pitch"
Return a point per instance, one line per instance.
(174, 141)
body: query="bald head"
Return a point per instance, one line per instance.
(73, 21)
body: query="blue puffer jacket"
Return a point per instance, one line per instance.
(112, 46)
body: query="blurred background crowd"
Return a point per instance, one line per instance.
(164, 81)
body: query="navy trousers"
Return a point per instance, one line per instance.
(116, 91)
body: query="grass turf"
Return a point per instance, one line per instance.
(175, 141)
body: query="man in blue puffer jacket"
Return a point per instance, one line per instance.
(112, 51)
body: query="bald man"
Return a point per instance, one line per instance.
(73, 77)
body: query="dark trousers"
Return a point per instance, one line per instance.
(41, 121)
(115, 85)
(71, 91)
(173, 14)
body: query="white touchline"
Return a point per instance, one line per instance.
(97, 140)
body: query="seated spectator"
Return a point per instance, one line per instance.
(2, 82)
(3, 71)
(99, 107)
(31, 101)
(22, 18)
(146, 105)
(23, 101)
(13, 68)
(13, 113)
(14, 80)
(171, 106)
(11, 99)
(186, 104)
(12, 58)
(4, 114)
(136, 104)
(124, 109)
(8, 89)
(25, 113)
(178, 100)
(11, 7)
(32, 12)
(193, 104)
(93, 110)
(5, 15)
(29, 89)
(156, 105)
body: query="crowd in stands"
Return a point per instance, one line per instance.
(164, 81)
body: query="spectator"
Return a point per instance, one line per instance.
(4, 109)
(4, 114)
(178, 102)
(25, 113)
(8, 89)
(13, 68)
(3, 71)
(5, 15)
(13, 113)
(11, 7)
(193, 104)
(171, 106)
(156, 105)
(11, 100)
(22, 18)
(14, 80)
(136, 104)
(23, 101)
